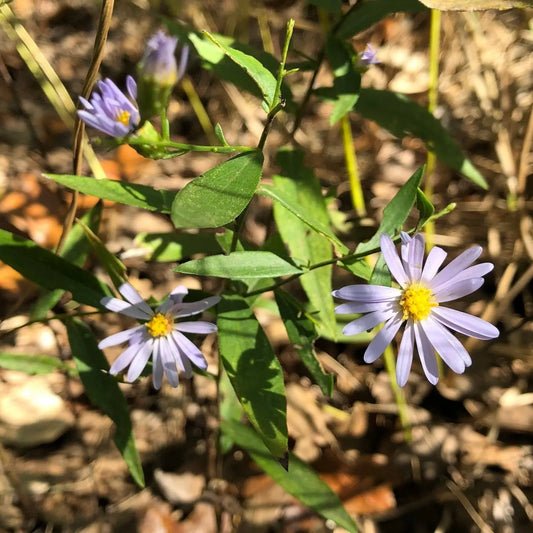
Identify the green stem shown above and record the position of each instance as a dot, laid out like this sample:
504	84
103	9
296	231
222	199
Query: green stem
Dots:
282	72
193	147
351	167
165	126
433	96
399	396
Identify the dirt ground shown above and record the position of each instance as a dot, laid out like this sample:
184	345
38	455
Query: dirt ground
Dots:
469	465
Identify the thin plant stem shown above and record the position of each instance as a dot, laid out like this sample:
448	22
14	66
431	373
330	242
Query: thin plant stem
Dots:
199	109
433	96
399	396
350	157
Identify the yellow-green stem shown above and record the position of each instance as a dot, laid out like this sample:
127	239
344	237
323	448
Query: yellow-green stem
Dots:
399	396
350	156
199	110
433	97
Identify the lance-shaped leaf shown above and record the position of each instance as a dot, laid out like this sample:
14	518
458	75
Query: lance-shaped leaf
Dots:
290	202
307	246
396	212
299	479
104	392
220	195
240	265
302	333
34	364
404	117
367	12
75	250
121	192
254	372
49	270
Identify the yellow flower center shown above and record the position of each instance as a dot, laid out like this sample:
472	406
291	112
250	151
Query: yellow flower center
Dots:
124	118
416	302
160	325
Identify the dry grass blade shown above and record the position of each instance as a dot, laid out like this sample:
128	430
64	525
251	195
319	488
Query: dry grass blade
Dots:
46	76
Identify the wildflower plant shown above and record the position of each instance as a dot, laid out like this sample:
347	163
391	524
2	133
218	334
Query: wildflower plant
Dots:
209	241
416	304
160	335
110	111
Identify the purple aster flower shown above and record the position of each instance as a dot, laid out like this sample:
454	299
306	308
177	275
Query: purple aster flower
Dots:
417	304
159	335
368	56
110	110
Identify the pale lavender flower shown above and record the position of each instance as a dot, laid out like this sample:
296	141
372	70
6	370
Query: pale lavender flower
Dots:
368	56
110	110
159	335
417	305
158	61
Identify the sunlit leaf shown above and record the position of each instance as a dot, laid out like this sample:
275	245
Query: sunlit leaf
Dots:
49	270
240	265
34	364
121	192
217	197
299	184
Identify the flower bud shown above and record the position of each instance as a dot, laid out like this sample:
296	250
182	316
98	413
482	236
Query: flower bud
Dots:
157	73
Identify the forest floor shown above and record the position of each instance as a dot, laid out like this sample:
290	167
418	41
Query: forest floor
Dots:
469	464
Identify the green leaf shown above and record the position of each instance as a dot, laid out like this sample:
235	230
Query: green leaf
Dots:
368	12
425	208
264	79
49	270
121	192
300	479
331	6
301	186
346	81
254	371
34	364
223	68
302	333
220	195
240	265
174	246
103	391
396	212
75	250
475	5
404	117
284	198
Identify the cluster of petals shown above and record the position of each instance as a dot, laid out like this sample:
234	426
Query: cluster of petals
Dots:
110	110
368	56
430	334
159	61
171	350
